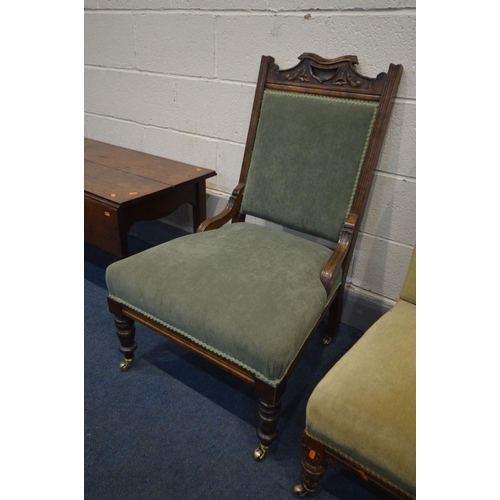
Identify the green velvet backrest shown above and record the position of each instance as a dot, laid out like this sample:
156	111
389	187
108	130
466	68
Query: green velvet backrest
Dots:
306	160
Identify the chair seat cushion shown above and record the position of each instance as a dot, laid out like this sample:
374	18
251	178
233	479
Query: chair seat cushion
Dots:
365	406
246	292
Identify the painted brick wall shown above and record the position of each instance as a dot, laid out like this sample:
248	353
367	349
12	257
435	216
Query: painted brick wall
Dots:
176	78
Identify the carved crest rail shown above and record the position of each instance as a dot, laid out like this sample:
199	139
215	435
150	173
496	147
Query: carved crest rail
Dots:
327	74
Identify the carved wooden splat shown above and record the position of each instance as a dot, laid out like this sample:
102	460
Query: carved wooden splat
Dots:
327	73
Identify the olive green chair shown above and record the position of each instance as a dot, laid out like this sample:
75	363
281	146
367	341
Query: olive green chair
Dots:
246	297
363	413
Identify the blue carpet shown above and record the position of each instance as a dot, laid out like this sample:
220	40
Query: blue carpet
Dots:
176	427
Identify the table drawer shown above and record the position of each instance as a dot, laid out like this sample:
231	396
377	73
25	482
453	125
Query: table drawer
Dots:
102	226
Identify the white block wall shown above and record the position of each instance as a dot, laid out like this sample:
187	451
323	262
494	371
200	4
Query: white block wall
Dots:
176	78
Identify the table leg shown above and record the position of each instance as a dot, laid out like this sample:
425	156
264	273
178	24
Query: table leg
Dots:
122	232
200	207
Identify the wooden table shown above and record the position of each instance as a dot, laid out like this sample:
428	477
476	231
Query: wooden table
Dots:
123	187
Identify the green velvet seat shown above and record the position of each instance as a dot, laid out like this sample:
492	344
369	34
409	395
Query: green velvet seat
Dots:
259	320
364	409
249	298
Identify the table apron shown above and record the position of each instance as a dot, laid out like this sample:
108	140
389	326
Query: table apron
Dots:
107	226
102	226
158	205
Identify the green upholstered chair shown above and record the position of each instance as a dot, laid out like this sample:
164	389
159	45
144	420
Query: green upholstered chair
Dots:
362	414
246	297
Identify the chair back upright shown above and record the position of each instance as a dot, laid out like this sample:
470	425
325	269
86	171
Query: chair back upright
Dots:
409	290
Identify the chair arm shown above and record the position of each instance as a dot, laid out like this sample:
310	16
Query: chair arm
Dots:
232	208
339	254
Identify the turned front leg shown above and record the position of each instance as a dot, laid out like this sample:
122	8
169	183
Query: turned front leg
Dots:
334	316
313	466
268	415
125	330
269	407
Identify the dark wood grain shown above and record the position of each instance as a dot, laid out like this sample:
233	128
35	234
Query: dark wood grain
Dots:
163	170
118	187
123	186
335	77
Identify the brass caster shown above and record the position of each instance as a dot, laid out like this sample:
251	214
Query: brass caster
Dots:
299	490
327	339
125	364
259	453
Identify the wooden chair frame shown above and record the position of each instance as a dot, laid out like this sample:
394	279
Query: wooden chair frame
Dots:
315	457
312	75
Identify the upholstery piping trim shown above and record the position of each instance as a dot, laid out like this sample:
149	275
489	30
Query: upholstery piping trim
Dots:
323	97
358	463
259	375
190	337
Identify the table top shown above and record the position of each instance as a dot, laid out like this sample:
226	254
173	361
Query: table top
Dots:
121	175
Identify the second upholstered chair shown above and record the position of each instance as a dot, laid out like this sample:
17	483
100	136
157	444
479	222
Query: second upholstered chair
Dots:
363	413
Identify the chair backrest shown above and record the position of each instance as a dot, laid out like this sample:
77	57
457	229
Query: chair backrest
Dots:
313	142
409	290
